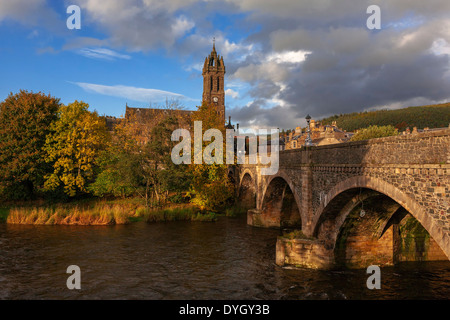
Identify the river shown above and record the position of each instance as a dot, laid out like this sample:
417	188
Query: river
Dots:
186	260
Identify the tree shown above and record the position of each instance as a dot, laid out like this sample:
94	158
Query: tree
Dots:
76	139
25	119
375	132
138	158
163	173
117	174
210	186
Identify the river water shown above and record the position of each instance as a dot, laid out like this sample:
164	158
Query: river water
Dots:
224	260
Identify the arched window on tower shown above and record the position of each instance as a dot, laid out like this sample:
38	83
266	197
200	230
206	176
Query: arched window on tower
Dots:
218	84
211	82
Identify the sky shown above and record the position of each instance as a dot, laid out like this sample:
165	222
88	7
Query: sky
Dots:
284	58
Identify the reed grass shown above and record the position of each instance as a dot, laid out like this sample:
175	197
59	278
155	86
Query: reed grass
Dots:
98	214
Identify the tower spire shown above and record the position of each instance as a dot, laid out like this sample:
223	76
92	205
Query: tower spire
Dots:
213	82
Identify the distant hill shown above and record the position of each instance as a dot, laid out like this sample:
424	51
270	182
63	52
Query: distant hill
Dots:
433	116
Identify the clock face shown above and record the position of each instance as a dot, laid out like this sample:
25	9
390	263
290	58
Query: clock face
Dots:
215	99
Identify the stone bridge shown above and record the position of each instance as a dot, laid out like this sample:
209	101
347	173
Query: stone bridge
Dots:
379	201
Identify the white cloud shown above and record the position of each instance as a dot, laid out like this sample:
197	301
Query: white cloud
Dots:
440	46
31	13
265	71
288	56
197	67
21	10
229	48
84	42
131	93
102	53
181	26
231	93
33	34
138	25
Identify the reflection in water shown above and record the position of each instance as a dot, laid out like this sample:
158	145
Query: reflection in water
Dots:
180	260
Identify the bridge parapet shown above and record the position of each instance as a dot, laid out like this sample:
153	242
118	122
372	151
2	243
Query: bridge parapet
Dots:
423	148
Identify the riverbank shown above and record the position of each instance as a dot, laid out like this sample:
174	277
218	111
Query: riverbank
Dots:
178	214
102	212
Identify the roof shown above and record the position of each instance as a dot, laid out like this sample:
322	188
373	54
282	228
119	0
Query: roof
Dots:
152	112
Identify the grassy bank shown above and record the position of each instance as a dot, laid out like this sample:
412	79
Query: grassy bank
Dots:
176	214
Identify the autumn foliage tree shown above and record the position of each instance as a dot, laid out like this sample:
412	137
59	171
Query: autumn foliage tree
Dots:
25	119
76	138
137	160
126	164
210	187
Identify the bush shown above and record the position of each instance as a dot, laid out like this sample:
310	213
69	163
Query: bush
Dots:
180	214
4	212
295	234
209	216
375	132
235	211
177	198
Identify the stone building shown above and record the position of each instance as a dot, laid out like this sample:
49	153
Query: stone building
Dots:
213	94
320	135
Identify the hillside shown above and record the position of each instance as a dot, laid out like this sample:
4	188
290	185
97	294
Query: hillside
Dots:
432	116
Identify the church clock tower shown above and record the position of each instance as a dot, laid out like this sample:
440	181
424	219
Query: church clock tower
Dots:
213	82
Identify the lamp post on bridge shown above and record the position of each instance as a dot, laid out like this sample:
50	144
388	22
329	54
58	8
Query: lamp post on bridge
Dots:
308	140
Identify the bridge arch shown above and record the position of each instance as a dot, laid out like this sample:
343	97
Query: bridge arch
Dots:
344	197
280	202
247	190
249	172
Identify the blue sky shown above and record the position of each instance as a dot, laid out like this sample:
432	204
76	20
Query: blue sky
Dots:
35	59
284	59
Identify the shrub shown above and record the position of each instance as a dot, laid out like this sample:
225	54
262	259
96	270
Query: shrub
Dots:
235	211
180	214
375	132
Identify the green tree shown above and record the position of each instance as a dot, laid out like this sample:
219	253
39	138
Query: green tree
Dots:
117	176
25	119
375	132
434	116
76	139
